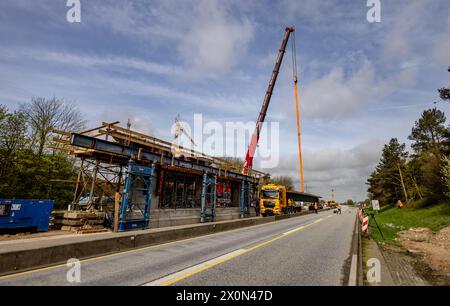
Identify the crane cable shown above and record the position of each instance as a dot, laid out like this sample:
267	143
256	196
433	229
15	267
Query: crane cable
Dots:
297	109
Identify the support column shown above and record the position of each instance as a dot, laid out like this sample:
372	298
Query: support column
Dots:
148	196
214	200
203	210
125	195
249	198
77	186
94	181
242	199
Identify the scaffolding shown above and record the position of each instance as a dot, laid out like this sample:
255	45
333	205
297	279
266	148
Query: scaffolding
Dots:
109	157
136	198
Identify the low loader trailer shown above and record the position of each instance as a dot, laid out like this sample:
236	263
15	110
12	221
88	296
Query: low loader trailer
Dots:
276	200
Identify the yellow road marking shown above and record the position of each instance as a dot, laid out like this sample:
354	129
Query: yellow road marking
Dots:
190	271
99	257
294	230
177	276
151	247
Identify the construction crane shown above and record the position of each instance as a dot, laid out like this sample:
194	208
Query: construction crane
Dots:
297	112
248	163
176	136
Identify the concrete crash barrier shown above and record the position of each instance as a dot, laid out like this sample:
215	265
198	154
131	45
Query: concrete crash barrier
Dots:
58	252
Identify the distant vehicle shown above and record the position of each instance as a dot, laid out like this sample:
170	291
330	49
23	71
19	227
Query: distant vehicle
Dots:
332	204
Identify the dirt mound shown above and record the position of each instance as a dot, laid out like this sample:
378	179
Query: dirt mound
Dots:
435	248
420	234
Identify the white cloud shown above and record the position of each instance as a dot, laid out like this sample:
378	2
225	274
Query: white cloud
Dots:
404	27
344	170
405	78
215	40
206	35
334	95
139	121
442	46
78	60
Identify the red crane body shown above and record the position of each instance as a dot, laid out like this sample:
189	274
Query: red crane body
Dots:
262	114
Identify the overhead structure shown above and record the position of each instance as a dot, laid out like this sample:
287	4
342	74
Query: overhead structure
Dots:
248	163
130	176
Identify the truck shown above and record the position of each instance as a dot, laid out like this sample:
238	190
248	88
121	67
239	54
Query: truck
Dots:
275	200
331	204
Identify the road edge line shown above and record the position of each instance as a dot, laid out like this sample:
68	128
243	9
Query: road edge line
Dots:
353	277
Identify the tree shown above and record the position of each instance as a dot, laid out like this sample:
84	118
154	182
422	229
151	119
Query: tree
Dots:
445	92
3	112
12	137
431	143
284	181
429	132
26	174
446	176
431	167
235	163
44	115
385	182
414	178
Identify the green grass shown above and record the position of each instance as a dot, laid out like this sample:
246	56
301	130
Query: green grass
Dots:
393	220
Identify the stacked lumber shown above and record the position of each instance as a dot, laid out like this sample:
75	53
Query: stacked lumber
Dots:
78	221
56	220
83	231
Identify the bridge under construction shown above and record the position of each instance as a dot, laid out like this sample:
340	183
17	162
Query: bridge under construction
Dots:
134	178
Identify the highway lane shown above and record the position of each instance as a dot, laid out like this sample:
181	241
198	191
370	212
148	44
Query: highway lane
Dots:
316	255
310	250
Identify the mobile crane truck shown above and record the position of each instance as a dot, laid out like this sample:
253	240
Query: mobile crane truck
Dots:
275	200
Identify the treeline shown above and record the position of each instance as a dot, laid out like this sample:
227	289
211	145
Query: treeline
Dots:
287	181
424	174
29	167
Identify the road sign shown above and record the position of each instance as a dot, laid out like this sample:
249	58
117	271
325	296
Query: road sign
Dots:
375	205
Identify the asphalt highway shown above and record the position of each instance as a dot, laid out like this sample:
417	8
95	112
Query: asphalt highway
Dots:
307	250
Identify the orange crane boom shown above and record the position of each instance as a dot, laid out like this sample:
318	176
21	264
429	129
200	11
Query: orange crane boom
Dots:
299	137
297	111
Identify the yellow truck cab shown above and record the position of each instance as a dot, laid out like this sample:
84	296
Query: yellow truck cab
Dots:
273	200
332	204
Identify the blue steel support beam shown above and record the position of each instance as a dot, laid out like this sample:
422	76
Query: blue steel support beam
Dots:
203	211
213	207
127	152
242	199
125	196
136	173
148	196
249	197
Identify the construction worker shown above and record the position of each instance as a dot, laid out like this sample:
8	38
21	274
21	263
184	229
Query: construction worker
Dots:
255	203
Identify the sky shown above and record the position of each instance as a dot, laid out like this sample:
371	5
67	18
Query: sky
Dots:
360	83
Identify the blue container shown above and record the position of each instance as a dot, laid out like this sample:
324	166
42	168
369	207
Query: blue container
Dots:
25	214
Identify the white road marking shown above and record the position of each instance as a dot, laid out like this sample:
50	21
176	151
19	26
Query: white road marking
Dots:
352	279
